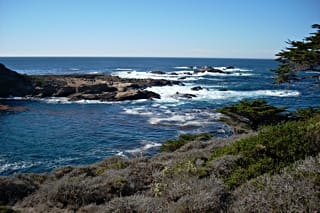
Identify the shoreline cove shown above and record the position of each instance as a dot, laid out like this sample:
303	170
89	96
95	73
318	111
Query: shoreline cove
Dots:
82	131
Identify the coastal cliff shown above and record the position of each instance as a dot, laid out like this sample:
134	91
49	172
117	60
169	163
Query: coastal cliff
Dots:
101	87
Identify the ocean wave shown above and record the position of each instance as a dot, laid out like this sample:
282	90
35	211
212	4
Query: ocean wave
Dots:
26	165
144	147
183	67
123	69
15	166
182	75
175	93
94	72
63	100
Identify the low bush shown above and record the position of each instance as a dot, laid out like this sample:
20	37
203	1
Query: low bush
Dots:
274	148
253	113
295	189
174	144
13	189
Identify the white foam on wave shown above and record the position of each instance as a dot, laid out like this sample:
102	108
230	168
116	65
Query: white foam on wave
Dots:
181	75
64	100
145	146
175	93
24	165
160	114
232	69
231	74
183	68
94	72
18	165
145	75
137	111
185	119
123	69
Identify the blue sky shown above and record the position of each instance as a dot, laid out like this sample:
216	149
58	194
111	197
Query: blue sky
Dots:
174	28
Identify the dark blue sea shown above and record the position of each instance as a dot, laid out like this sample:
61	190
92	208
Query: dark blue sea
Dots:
56	132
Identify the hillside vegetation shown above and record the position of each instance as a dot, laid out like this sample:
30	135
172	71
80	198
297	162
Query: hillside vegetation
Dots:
276	169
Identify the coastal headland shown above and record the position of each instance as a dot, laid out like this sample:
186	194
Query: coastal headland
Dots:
101	87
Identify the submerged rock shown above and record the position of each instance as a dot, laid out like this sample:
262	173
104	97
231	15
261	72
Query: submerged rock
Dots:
196	88
158	72
184	95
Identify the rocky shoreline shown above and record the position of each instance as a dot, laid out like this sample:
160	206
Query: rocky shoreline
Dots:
101	87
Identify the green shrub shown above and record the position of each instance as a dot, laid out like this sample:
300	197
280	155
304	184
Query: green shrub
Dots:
304	114
172	145
274	148
253	113
117	165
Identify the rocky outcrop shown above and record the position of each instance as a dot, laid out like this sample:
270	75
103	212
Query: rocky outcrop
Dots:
76	87
12	83
209	69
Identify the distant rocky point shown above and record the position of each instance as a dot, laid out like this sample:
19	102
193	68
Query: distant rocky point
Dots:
101	87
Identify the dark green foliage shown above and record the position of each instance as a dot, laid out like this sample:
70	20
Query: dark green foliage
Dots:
172	145
299	56
303	114
253	113
39	83
274	148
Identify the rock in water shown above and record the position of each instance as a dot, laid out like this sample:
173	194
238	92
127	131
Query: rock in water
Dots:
196	88
136	95
158	72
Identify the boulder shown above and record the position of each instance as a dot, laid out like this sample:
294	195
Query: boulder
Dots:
230	67
185	95
136	95
196	88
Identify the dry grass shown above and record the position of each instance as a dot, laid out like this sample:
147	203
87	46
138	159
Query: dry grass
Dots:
296	189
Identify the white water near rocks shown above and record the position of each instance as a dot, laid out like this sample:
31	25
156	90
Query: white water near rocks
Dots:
55	131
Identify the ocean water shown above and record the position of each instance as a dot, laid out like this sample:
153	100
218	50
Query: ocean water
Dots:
56	132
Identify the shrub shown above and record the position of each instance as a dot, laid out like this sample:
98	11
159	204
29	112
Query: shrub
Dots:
274	148
172	145
295	189
253	113
117	165
13	189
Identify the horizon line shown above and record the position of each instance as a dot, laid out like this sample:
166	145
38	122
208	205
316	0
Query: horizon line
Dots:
90	56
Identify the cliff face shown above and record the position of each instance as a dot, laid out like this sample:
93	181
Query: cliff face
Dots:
13	84
76	87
